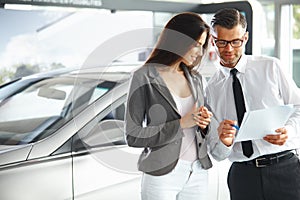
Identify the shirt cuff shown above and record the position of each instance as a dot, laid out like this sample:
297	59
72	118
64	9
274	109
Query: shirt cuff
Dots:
291	131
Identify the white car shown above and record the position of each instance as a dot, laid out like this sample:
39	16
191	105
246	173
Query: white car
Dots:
61	137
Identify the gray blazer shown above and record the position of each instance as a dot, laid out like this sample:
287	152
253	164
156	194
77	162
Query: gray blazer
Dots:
152	121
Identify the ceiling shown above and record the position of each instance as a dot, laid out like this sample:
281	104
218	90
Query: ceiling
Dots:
147	5
150	5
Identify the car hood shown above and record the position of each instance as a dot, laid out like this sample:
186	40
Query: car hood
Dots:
13	153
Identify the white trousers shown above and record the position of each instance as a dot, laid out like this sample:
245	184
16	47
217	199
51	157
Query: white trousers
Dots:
187	181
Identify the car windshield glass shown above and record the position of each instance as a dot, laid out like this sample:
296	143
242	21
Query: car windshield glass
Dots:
44	106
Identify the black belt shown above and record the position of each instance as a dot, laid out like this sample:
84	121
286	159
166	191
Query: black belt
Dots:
270	159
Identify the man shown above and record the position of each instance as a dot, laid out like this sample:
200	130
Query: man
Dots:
267	168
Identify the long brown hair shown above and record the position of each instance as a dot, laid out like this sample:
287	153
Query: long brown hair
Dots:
179	34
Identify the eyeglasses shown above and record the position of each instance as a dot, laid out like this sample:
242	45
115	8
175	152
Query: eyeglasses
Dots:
234	43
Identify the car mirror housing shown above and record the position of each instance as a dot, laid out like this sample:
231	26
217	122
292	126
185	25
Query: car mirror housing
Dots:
51	93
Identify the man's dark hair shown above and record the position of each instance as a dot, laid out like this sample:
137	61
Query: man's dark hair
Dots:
229	18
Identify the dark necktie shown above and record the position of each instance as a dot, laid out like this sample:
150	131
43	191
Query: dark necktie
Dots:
240	110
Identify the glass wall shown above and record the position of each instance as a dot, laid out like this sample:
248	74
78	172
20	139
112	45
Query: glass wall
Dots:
268	44
282	38
41	39
296	43
36	39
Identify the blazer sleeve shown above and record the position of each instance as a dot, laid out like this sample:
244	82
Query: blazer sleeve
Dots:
139	133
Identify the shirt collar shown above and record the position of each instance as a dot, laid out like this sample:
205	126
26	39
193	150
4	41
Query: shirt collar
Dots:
241	67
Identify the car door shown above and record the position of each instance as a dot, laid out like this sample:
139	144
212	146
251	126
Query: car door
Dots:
47	178
104	167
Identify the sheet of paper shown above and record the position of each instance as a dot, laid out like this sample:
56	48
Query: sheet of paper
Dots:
259	123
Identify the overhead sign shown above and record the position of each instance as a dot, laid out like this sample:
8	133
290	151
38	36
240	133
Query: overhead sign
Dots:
66	3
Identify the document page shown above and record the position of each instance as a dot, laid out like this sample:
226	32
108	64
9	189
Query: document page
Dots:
259	123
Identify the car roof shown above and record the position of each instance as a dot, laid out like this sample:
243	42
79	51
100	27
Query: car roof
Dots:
112	73
97	72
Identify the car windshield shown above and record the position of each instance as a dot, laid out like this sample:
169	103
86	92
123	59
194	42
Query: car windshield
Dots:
41	107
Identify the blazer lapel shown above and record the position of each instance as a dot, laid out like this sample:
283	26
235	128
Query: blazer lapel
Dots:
196	87
159	84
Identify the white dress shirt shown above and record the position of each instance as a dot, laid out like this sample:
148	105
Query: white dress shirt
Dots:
264	85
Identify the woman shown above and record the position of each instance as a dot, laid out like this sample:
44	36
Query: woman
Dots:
165	113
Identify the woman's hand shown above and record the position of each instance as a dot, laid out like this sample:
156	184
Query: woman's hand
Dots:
187	121
197	116
203	117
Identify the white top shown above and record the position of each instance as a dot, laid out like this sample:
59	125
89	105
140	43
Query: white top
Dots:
188	150
264	85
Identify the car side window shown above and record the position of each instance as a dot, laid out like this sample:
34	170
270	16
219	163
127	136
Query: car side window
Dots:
107	129
117	113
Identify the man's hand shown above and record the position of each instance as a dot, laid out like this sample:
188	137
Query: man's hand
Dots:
277	139
227	132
